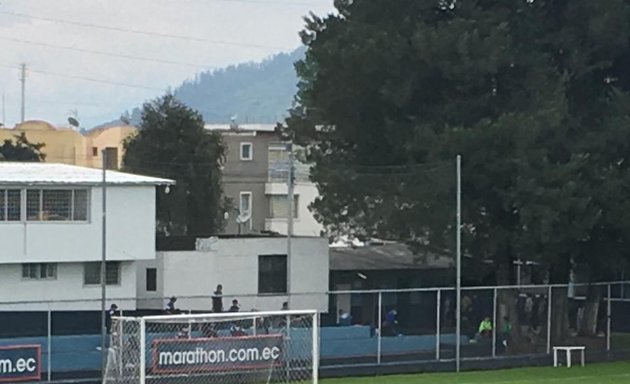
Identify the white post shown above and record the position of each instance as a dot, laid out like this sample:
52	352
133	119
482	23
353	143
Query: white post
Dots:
437	324
458	281
380	328
254	330
315	348
549	293
143	351
608	318
49	346
494	323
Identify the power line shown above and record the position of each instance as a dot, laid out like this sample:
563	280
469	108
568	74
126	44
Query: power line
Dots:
90	79
102	53
139	32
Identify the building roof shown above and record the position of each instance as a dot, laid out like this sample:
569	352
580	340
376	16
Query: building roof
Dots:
14	173
386	257
242	127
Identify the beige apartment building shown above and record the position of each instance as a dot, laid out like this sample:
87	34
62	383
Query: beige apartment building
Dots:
69	146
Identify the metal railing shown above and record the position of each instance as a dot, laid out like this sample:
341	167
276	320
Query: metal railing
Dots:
366	327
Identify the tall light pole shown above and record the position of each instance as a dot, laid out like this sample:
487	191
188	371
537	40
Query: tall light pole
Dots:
290	197
458	282
104	264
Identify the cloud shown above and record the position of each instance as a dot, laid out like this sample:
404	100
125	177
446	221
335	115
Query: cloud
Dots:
231	31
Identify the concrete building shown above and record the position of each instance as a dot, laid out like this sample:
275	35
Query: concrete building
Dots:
254	270
70	146
51	234
255	178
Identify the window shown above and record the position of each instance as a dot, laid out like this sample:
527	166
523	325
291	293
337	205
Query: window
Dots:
247	151
41	271
92	273
151	279
278	167
245	204
10	205
111	158
56	205
272	274
279	207
94	151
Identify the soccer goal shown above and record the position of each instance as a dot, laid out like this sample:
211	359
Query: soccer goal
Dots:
226	348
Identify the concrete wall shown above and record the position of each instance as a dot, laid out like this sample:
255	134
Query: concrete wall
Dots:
305	223
130	231
234	264
67	286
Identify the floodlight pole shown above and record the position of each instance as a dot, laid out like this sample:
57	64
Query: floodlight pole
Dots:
458	282
290	197
104	265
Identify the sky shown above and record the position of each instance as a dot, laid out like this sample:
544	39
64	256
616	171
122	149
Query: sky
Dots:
98	58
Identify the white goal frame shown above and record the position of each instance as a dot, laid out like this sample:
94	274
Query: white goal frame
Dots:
208	317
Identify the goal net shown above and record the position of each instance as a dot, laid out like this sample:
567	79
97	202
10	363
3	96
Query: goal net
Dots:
226	348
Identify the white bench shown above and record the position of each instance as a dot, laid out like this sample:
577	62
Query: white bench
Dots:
568	351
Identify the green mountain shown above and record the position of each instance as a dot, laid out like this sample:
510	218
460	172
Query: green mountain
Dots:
254	92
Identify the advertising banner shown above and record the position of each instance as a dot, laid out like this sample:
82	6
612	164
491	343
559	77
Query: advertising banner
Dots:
20	363
216	354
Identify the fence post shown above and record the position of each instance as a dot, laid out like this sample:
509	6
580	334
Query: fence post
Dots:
608	318
380	328
49	346
494	323
549	293
437	324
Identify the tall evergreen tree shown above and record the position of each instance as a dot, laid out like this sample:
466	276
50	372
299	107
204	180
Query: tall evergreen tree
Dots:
172	143
532	93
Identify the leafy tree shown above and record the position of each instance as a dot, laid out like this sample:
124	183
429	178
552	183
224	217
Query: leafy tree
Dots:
21	150
172	143
532	93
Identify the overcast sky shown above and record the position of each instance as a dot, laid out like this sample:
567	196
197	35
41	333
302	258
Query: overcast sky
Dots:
173	40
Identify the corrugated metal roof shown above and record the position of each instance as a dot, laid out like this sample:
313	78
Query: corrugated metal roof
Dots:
14	173
386	257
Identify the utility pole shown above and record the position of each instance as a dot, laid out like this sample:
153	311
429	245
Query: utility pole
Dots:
290	194
23	81
4	111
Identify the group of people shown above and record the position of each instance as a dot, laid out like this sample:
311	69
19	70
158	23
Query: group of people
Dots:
217	303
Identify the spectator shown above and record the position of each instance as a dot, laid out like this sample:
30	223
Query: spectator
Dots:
285	306
217	299
345	319
170	306
235	307
390	325
485	328
109	315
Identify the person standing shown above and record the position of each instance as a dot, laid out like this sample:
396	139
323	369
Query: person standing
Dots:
235	307
217	299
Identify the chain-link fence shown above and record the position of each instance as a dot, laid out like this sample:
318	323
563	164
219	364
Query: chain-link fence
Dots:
504	326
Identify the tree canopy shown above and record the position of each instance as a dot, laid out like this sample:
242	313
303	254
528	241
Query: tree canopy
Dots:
172	143
534	94
20	149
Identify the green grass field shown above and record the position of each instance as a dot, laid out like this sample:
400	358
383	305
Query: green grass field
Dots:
615	373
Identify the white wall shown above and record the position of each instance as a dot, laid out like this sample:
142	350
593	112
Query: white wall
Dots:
234	264
130	231
18	294
305	224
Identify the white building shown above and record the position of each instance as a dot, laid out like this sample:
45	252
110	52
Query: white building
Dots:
51	234
253	270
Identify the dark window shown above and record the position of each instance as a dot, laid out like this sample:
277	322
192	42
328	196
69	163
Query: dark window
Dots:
10	204
56	205
151	279
92	273
272	274
94	151
42	271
